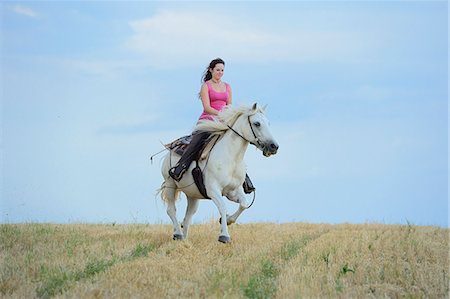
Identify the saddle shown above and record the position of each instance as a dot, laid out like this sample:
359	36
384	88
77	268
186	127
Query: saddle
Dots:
179	145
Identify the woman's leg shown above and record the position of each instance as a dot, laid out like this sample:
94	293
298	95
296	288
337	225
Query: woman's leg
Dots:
189	155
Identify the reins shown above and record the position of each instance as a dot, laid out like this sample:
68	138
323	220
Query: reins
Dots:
254	196
251	127
151	157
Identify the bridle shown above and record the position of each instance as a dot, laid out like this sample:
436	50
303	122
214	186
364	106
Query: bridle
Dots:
258	143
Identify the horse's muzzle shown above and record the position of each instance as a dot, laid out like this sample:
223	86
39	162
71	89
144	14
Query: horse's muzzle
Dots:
270	149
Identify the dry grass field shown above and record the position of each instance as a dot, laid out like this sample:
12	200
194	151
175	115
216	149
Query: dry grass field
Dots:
264	260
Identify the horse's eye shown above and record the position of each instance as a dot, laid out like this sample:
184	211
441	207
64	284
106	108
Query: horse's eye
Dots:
257	124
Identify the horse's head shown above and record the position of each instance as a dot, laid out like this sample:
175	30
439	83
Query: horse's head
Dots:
258	132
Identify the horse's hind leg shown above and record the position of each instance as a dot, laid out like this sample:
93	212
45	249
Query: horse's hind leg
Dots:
192	206
172	212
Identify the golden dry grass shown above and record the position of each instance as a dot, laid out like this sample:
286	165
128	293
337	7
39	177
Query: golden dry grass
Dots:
264	260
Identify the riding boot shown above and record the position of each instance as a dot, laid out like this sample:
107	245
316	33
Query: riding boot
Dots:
248	185
190	153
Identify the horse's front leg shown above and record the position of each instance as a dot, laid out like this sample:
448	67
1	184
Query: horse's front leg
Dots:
217	198
238	196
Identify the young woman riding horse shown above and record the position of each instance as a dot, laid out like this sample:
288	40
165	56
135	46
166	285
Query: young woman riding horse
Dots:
223	170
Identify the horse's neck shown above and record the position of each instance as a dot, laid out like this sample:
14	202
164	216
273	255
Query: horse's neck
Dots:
233	144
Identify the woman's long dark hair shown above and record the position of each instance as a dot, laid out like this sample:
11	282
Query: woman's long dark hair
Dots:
207	74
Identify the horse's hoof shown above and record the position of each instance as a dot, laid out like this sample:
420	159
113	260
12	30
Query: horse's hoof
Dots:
224	239
177	237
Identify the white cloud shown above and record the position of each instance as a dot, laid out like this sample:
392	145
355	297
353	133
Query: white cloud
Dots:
171	38
25	11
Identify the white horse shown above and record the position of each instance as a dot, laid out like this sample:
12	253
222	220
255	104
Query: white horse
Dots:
224	171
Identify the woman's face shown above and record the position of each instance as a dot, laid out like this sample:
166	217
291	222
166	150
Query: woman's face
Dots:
217	71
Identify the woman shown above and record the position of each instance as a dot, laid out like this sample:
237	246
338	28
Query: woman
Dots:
215	95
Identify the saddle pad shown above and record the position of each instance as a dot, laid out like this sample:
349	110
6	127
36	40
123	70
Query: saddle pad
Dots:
179	145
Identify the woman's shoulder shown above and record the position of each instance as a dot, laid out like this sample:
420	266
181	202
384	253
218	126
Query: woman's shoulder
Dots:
205	84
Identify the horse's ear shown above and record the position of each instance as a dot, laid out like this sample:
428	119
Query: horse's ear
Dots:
264	108
254	107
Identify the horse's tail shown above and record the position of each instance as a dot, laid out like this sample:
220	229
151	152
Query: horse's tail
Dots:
163	191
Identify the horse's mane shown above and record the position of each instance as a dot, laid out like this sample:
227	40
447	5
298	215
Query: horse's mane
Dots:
227	116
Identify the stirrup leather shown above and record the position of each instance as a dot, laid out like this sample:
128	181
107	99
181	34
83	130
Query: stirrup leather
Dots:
177	172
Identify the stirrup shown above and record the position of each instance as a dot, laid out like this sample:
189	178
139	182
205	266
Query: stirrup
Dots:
248	189
248	185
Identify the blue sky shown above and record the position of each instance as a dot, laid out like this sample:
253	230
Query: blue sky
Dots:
356	93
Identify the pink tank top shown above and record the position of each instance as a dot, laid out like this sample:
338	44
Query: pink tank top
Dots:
217	100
